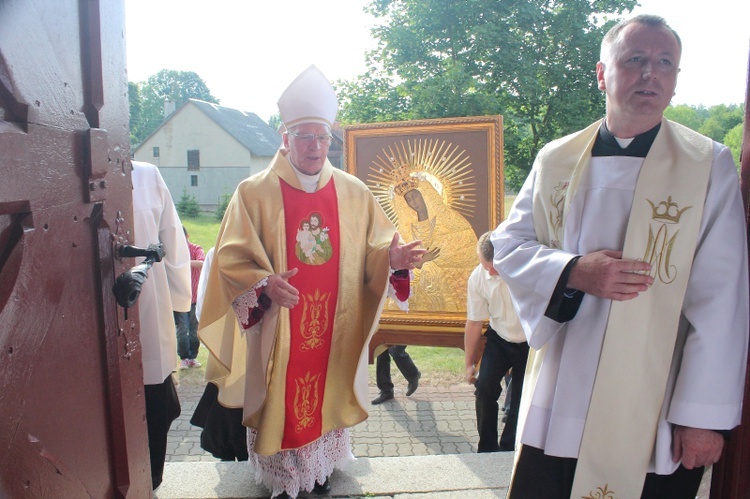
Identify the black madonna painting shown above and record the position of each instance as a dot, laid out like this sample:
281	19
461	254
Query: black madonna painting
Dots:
439	182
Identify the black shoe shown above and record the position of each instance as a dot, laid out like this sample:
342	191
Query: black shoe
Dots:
383	397
413	384
283	495
322	489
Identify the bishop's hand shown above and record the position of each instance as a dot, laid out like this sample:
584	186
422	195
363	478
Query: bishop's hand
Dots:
404	256
280	291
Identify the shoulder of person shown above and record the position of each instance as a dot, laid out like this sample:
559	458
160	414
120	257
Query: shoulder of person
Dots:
569	140
690	136
476	273
255	181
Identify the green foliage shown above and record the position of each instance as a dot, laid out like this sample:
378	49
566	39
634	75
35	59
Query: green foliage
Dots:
722	123
136	110
148	99
690	116
275	121
222	206
530	61
188	206
733	140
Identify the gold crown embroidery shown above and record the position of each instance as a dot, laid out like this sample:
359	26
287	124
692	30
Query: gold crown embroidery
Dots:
667	211
661	240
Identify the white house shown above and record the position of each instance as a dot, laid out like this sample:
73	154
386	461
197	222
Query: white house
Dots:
206	149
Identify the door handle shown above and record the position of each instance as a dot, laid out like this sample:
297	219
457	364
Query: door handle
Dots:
127	287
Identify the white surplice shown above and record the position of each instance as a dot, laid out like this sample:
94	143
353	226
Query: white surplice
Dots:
167	287
706	382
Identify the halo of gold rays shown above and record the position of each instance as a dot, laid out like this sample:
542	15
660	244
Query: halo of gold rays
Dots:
403	165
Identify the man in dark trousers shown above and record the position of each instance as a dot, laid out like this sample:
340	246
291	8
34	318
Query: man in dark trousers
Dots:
383	372
505	349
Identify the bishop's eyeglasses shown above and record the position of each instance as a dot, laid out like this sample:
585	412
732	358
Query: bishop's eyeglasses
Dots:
310	137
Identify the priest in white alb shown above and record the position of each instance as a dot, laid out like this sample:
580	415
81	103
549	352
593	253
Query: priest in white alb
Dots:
626	256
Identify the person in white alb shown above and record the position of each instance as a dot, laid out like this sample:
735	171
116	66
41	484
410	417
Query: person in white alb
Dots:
626	255
167	288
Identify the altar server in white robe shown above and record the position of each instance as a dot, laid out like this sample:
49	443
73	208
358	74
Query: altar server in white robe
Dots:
166	289
626	256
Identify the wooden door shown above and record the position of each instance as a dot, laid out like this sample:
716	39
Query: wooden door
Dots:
71	393
730	479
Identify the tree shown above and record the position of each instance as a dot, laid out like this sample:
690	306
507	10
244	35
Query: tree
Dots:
136	109
275	121
721	119
221	208
723	123
733	140
690	116
531	61
188	206
148	98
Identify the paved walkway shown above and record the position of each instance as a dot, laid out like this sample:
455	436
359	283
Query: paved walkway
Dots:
432	421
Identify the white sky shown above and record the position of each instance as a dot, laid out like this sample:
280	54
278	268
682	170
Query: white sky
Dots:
247	52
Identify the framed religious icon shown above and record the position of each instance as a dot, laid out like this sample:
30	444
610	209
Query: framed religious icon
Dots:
439	181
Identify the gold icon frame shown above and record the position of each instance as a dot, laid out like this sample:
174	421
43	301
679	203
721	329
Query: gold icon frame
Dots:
474	145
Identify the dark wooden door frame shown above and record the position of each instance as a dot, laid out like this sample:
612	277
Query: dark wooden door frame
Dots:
71	384
730	479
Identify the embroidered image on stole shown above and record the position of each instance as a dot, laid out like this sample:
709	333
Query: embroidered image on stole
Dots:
313	246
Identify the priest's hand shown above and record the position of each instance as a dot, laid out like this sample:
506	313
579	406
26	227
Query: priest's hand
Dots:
696	447
280	291
607	275
404	256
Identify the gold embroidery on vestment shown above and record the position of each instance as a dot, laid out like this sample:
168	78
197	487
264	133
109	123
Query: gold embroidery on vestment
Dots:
306	400
660	242
601	493
557	200
315	316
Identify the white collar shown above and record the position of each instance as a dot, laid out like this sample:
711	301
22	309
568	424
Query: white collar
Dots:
309	182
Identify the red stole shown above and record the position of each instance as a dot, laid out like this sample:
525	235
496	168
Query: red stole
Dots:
312	246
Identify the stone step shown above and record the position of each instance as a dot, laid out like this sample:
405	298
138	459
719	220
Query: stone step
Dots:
452	476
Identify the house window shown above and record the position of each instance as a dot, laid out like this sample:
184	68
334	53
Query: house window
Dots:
194	180
194	159
156	152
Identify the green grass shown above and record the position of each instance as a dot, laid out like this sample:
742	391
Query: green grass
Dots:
440	366
202	230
